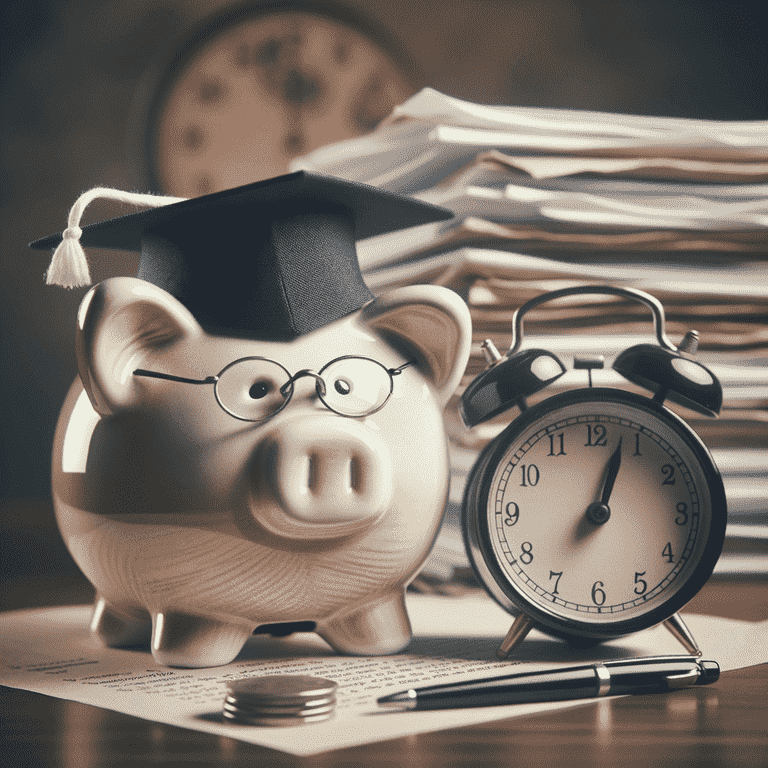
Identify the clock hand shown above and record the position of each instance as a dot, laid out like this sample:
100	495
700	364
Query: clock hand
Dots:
613	470
598	512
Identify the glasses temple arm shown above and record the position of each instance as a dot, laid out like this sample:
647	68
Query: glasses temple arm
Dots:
170	377
400	368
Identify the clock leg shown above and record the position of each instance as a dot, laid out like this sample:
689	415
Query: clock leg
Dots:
677	627
521	626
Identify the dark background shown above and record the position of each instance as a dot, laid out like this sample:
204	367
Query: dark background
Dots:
73	78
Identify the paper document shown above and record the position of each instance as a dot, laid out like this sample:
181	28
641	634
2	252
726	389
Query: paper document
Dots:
431	135
557	166
529	203
50	651
431	106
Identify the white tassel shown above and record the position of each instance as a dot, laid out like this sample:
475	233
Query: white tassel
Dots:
69	267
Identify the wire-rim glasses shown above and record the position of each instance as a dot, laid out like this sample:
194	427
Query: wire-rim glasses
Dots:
257	388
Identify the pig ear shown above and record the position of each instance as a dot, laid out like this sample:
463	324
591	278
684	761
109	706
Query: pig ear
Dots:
431	324
121	323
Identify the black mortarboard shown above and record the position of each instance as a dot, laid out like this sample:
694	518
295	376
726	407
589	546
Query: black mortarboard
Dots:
273	259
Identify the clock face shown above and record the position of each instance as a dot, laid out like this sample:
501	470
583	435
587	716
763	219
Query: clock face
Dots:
259	89
599	512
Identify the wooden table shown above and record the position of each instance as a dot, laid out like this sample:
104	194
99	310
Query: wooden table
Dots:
725	724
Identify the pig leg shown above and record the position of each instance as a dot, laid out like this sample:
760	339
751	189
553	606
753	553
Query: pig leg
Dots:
377	629
186	640
115	627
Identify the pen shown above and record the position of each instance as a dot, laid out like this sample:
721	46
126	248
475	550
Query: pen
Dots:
651	674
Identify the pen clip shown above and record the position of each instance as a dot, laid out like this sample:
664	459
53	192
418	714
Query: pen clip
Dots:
682	681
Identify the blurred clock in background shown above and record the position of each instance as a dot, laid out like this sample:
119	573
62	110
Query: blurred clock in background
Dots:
257	86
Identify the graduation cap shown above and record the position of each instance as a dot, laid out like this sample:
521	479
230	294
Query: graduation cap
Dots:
271	260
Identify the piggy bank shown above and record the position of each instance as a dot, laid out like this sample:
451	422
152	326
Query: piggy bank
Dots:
210	486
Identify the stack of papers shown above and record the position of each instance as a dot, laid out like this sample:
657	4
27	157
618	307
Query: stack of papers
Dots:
546	199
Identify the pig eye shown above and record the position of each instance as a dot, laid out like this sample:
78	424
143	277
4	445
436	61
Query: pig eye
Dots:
259	389
342	386
355	386
249	388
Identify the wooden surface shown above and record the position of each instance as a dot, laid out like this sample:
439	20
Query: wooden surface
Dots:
725	724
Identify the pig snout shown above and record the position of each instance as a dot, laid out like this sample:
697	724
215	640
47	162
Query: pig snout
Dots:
321	477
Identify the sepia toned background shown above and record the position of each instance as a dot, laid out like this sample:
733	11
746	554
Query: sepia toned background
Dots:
77	79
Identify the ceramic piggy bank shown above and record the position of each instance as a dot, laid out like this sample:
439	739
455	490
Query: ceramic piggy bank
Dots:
211	479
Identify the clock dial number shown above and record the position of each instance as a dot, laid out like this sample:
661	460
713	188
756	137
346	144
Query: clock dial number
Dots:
596	435
598	593
279	60
512	513
557	445
650	472
530	475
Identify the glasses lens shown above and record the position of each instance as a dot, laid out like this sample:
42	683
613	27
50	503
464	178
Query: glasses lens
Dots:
249	389
355	386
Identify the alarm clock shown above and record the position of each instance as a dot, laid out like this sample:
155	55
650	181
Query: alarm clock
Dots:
597	512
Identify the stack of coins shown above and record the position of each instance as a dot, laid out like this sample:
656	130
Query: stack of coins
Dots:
280	700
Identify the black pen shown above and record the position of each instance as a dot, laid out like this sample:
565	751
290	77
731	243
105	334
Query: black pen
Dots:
650	674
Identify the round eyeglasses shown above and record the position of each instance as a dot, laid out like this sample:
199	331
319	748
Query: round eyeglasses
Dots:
257	388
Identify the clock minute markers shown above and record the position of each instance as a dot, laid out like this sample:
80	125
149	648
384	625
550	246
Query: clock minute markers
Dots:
598	512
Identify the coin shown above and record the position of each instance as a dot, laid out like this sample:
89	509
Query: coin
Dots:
281	689
280	722
280	700
279	711
292	706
